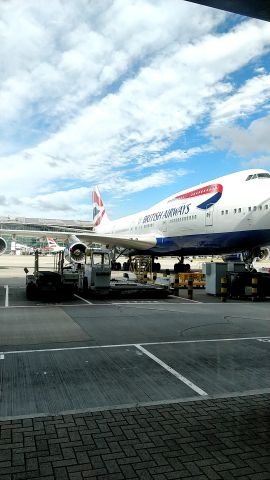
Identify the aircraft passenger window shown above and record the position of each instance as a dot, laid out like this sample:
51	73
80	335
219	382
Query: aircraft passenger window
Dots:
239	210
222	212
249	209
234	210
226	211
266	207
260	207
255	208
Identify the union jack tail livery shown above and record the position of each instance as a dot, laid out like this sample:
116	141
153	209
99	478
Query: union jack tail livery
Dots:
52	246
51	242
100	216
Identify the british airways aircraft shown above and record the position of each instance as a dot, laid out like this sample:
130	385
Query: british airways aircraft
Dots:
225	215
52	246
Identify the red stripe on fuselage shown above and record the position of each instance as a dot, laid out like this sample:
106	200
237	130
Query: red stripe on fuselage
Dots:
215	187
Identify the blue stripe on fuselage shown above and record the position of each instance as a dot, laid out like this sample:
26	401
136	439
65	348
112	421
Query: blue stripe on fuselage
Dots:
208	203
209	243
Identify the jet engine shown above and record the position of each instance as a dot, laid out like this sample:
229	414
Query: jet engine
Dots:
263	253
3	246
258	253
75	252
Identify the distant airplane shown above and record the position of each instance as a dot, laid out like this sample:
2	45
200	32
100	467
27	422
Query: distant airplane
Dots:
18	248
15	247
52	246
226	215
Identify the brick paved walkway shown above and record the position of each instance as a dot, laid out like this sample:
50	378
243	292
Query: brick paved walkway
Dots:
210	439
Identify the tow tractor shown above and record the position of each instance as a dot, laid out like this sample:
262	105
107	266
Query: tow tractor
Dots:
95	272
58	283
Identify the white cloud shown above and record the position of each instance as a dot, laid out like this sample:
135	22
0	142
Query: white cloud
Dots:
125	186
102	89
248	141
255	92
58	56
258	162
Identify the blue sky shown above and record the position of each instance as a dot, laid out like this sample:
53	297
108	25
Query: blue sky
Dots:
142	97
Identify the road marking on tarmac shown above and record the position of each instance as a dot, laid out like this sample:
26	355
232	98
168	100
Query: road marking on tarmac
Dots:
6	299
2	356
172	371
121	345
84	300
184	298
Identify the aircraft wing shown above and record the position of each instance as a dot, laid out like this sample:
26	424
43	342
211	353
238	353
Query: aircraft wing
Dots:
139	242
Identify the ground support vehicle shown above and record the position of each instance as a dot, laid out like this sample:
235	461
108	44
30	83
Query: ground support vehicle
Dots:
132	287
59	283
240	284
95	278
95	273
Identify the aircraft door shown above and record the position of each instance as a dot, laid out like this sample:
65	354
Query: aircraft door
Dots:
209	216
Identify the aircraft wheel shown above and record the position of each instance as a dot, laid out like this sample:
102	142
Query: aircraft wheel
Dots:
176	268
31	292
85	285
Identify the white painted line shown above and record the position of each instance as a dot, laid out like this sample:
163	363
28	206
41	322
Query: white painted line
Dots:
2	356
174	342
47	305
128	304
6	299
139	302
184	298
172	371
83	299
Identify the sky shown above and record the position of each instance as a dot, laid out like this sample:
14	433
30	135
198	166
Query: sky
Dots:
143	98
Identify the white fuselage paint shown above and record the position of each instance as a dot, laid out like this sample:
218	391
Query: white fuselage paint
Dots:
239	219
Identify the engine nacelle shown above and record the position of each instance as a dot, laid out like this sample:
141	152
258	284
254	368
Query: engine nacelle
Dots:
75	252
3	245
263	253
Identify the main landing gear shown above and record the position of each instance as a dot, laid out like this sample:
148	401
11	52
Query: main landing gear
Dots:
181	267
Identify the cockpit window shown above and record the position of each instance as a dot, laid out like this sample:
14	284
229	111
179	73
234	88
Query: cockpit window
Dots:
263	175
258	175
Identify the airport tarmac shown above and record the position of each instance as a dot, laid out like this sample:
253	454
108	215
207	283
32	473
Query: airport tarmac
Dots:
85	367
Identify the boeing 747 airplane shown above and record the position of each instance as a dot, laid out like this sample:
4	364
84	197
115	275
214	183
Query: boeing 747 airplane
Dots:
226	215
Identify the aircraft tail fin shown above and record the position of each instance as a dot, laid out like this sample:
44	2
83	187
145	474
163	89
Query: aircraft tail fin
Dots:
100	216
51	242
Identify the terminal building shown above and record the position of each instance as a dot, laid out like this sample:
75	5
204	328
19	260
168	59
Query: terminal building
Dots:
44	224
